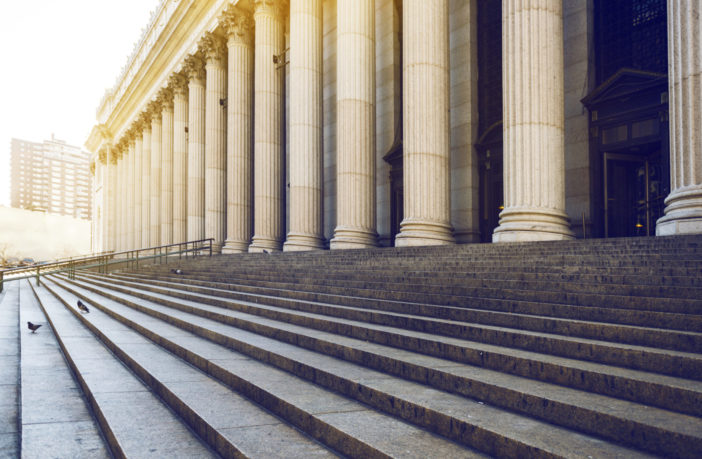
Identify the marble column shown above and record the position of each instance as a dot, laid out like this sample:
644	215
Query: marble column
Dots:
146	183
426	125
129	210
137	178
306	126
194	67
155	212
166	98
269	161
533	123
355	100
180	157
113	199
120	197
239	26
215	50
102	171
683	211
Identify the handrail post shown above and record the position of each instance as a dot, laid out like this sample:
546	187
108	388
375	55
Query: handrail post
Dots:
2	273
211	247
137	259
38	283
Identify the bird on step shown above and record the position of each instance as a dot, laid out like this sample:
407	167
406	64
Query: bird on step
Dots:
267	252
83	308
177	271
33	327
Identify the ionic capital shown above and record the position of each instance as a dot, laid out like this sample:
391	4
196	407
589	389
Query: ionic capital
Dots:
179	83
213	48
194	68
237	25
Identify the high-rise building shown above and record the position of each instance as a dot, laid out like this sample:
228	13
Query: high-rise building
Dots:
50	176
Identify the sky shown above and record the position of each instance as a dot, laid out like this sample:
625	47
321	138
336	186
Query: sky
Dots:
58	58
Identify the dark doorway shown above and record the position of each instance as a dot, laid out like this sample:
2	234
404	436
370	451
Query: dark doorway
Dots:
489	145
629	155
633	193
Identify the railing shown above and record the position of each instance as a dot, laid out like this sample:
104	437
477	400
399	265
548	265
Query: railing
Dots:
109	261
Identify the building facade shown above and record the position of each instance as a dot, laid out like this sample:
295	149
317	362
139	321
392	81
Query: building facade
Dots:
50	176
307	124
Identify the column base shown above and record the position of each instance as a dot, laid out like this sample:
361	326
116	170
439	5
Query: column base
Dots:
683	213
261	243
235	247
418	233
217	247
299	241
353	238
523	224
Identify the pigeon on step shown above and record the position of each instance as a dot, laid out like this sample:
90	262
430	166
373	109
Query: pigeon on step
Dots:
267	252
33	327
177	271
83	308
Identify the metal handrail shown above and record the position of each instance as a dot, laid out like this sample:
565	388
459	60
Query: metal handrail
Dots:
103	262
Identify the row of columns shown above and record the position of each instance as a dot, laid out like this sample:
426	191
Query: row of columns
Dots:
185	168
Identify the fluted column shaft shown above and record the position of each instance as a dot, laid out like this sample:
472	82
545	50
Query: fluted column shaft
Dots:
533	129
426	125
355	99
269	198
137	177
120	197
146	186
180	160
239	134
215	141
112	201
155	213
683	211
306	124
196	154
167	172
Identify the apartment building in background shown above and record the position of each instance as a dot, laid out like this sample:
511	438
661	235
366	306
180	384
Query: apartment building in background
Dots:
50	176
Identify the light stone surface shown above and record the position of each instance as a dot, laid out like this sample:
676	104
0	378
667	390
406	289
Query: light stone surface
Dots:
180	158
306	179
463	42
683	211
533	123
355	100
120	198
329	108
269	193
215	140
156	164
426	155
146	185
137	178
239	132
196	148
167	169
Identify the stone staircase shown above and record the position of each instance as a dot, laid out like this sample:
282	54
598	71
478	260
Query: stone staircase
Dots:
563	349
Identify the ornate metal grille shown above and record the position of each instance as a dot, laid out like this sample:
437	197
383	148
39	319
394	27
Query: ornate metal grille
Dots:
630	33
489	63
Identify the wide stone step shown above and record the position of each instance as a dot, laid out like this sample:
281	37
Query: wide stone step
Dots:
9	371
404	398
342	423
123	404
56	417
489	311
654	389
453	284
644	336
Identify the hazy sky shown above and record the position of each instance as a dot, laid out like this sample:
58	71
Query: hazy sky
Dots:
58	57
